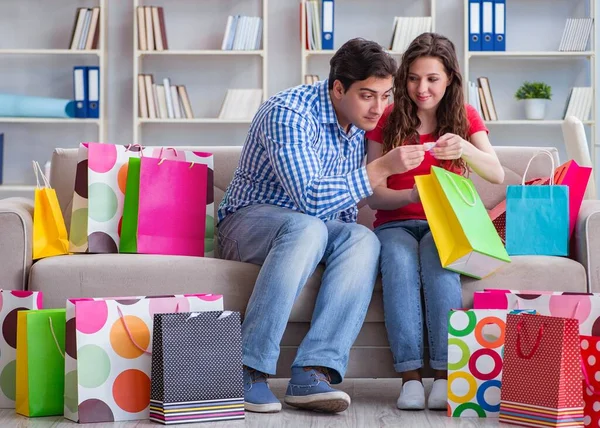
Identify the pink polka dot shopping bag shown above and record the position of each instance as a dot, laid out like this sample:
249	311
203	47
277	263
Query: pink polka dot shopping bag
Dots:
11	302
108	346
541	381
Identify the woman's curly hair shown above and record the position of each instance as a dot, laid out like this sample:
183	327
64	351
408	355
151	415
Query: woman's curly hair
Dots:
403	122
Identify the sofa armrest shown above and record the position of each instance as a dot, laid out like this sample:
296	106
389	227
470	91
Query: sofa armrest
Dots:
16	225
587	242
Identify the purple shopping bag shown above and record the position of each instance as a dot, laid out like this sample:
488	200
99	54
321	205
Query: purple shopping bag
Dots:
172	207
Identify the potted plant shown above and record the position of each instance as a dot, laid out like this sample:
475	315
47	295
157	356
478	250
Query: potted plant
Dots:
535	95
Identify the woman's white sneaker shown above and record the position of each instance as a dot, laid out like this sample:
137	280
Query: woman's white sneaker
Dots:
412	396
438	397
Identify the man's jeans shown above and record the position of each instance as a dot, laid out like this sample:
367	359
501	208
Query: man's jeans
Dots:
409	262
289	245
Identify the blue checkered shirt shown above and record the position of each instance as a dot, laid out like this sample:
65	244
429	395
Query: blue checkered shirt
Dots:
297	156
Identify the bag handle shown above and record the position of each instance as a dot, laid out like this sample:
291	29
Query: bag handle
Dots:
541	152
460	193
536	345
37	169
62	354
145	351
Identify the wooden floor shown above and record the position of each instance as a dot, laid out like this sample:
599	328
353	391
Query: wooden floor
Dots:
373	405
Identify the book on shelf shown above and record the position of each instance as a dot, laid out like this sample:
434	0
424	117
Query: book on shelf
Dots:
86	91
480	97
152	31
319	24
240	104
309	79
86	29
406	29
162	101
579	103
576	34
242	33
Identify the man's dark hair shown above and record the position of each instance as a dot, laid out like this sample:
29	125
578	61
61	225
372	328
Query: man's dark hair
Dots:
358	59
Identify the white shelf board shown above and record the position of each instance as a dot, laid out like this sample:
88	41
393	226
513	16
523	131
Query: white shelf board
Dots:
200	52
531	122
16	188
48	52
330	52
525	54
46	120
195	120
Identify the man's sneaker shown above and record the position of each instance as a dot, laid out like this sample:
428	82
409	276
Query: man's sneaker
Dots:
310	389
257	395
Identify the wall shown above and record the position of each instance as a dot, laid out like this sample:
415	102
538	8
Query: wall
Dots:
192	23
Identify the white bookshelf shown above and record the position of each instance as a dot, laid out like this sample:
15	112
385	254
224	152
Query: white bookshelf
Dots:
140	55
306	54
544	57
7	190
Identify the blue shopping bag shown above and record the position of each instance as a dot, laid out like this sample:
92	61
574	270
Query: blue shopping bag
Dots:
537	217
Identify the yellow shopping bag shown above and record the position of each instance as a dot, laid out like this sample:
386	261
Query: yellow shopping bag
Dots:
49	231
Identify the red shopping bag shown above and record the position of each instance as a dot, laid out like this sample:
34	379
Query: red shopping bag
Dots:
172	207
590	359
498	213
576	178
541	379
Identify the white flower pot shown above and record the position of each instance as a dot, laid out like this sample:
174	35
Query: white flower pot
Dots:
535	108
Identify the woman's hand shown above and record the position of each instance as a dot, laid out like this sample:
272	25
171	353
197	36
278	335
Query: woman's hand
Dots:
414	195
448	147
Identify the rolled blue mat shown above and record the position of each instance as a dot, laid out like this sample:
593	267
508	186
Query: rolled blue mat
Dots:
29	106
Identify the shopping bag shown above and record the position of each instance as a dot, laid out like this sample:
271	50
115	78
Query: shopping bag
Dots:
40	362
541	381
590	360
475	348
172	207
78	236
498	213
537	217
107	361
128	243
464	235
584	307
197	368
49	230
11	302
576	178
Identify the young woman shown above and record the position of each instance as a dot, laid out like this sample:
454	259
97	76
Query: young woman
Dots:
428	107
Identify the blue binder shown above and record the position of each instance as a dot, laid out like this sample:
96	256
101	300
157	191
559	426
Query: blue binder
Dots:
93	92
487	25
327	21
499	25
80	91
474	25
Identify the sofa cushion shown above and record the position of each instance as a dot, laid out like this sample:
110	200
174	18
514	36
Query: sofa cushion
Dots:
96	275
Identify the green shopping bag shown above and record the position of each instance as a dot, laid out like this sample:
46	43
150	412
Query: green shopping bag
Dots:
465	237
40	381
128	243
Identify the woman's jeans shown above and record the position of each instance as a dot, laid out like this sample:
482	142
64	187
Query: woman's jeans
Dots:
409	263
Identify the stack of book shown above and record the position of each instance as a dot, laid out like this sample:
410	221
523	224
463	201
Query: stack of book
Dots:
480	97
576	34
241	104
242	33
406	29
86	29
579	103
166	101
309	79
152	32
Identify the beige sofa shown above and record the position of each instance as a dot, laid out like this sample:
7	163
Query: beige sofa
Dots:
87	275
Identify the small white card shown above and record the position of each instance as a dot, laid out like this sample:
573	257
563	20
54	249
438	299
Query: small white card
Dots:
428	146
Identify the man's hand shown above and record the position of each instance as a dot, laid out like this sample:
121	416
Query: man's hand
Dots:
448	147
404	158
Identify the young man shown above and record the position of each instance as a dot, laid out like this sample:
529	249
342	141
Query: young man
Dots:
291	205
